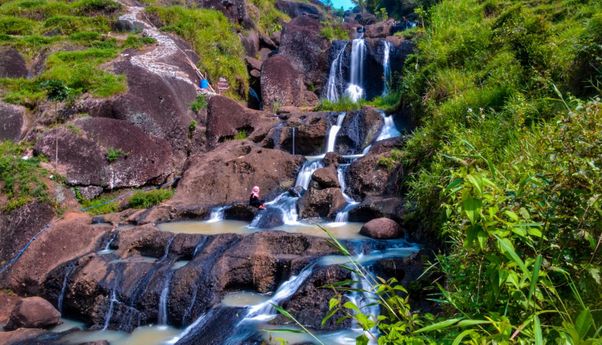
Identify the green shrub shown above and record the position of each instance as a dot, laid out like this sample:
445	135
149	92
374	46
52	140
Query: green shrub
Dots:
101	205
199	103
213	38
241	135
146	199
334	31
114	154
343	104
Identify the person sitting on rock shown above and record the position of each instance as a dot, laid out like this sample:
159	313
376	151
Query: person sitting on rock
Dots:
254	198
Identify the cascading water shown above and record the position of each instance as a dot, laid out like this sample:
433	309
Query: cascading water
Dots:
335	76
334	130
68	272
308	169
389	130
386	67
343	215
217	214
355	89
162	319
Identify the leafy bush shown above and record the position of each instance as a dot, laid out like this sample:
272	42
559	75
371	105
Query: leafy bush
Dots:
334	31
213	38
146	199
241	135
199	103
114	154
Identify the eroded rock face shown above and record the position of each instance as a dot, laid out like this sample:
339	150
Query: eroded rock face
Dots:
381	228
380	29
12	118
107	153
281	83
33	312
228	173
367	176
310	132
12	64
323	203
226	118
307	50
298	8
377	207
358	130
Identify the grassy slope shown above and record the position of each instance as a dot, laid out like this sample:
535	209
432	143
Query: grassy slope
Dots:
505	168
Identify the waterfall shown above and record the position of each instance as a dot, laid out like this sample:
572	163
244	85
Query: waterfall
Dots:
389	130
365	299
107	247
217	214
343	215
355	90
334	130
200	245
386	68
163	299
308	169
293	129
59	303
335	76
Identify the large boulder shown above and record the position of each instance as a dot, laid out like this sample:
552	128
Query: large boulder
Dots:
382	229
8	301
323	203
226	118
33	312
281	83
377	207
18	227
359	129
326	177
12	119
299	8
12	64
228	173
307	49
380	30
107	153
369	176
307	131
59	243
235	10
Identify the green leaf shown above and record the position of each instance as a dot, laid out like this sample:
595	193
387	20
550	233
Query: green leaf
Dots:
439	325
472	207
461	336
476	183
507	248
537	330
333	302
535	276
584	322
350	305
466	323
362	340
513	216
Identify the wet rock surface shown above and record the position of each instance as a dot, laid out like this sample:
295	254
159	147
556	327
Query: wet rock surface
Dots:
323	203
309	131
358	130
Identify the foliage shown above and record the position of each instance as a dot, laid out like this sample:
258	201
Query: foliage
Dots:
213	38
268	18
114	154
199	103
241	135
101	205
343	104
332	30
21	180
146	199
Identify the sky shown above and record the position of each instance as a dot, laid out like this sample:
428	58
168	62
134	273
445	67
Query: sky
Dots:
346	4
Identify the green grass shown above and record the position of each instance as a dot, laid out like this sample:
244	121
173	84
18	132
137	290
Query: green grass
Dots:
241	135
146	199
268	18
21	181
213	38
100	205
334	31
114	154
199	104
343	104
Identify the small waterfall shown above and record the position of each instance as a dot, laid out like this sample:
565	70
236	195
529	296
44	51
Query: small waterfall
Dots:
107	247
167	247
355	90
217	214
286	203
308	169
68	272
117	270
199	322
386	68
163	299
334	130
365	299
343	215
293	149
389	130
335	76
200	245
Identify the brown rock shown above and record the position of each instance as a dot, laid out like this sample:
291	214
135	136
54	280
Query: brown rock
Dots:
306	49
358	130
326	177
253	63
381	228
225	118
281	83
12	119
380	29
310	133
251	42
12	64
33	312
8	301
299	8
377	207
321	202
82	154
228	173
20	335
